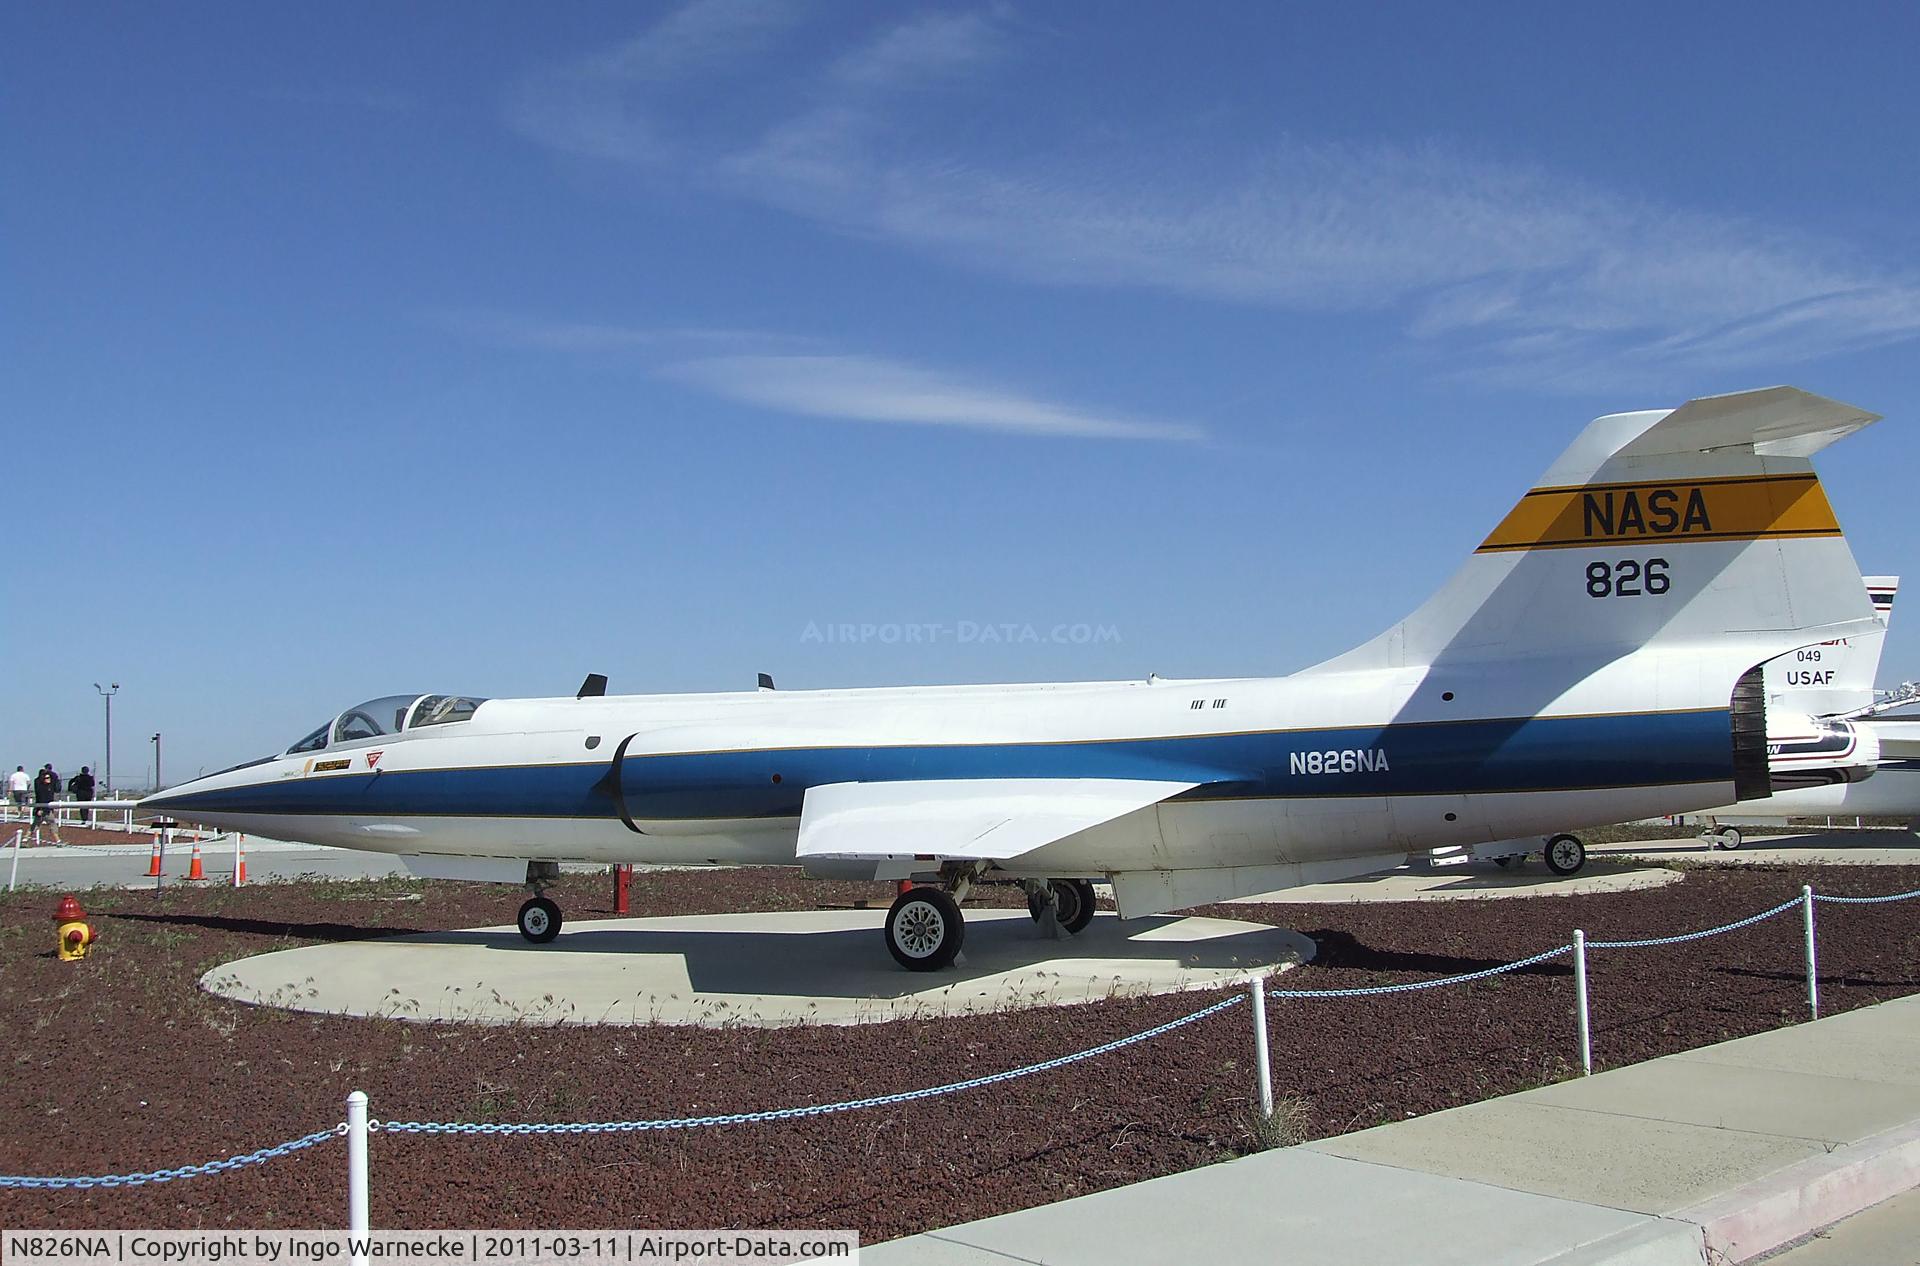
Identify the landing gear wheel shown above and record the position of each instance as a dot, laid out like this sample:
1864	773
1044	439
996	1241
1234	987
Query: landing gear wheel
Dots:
1565	854
1075	909
924	929
539	920
1729	837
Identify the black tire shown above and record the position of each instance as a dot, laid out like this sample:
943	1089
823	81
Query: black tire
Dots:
1083	905
1077	904
1565	855
539	920
924	929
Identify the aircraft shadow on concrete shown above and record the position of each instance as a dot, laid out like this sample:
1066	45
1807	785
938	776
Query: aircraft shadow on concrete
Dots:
853	962
1342	951
327	932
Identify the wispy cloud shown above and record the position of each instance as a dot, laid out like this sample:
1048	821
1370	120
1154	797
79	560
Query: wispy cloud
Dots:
787	373
922	52
1494	267
516	330
616	104
869	389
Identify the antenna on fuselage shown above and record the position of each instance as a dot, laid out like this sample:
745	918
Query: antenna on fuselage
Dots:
766	681
594	686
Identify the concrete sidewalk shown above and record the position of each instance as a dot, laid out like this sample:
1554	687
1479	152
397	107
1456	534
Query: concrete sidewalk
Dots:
1722	1153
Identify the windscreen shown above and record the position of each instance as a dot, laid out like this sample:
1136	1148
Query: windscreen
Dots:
314	741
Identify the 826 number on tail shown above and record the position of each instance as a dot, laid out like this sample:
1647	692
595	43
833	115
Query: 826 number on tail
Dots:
1628	578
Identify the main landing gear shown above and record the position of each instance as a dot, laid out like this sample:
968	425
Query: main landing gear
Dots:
925	928
1071	901
539	917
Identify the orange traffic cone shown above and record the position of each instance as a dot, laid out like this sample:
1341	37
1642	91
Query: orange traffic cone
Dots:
153	867
239	860
195	870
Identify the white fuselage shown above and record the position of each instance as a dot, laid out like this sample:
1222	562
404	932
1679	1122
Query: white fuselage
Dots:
1299	770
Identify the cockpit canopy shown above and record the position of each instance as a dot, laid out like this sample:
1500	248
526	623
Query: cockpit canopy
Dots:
391	714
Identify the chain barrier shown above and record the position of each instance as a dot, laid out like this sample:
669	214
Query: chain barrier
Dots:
788	1114
262	1155
1869	901
259	1157
1647	942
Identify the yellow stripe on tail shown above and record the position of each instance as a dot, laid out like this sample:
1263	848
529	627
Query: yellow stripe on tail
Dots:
1737	508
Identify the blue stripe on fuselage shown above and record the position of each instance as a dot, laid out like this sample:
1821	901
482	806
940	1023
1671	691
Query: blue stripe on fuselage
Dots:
1456	757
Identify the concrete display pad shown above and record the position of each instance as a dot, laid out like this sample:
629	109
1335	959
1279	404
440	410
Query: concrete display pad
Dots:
1468	881
760	970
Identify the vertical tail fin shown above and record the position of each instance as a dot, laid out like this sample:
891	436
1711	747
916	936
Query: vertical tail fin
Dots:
1701	531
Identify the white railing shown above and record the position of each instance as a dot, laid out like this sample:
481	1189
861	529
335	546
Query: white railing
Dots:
104	815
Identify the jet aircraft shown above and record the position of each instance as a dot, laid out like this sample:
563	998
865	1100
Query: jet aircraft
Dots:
1833	752
1599	656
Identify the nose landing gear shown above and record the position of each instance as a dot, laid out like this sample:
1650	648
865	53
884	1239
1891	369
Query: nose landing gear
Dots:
540	918
1565	854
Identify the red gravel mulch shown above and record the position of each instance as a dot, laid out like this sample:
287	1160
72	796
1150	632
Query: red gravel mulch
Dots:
121	1063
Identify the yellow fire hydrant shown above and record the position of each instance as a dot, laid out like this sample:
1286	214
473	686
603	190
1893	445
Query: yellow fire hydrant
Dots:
73	934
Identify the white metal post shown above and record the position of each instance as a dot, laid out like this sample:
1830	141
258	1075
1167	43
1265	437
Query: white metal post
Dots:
1580	988
357	1176
1813	979
166	837
1262	1066
14	875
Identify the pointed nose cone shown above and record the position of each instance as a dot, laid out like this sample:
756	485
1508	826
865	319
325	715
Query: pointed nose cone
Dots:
155	803
169	803
159	803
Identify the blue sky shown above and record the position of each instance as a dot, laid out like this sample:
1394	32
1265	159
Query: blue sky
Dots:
360	349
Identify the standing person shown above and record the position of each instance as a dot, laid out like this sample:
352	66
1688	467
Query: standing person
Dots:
80	786
17	785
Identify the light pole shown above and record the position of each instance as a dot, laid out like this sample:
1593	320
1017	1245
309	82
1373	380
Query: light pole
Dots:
157	784
105	693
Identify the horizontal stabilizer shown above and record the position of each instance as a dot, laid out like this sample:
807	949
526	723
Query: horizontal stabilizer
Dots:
1899	740
965	818
1773	422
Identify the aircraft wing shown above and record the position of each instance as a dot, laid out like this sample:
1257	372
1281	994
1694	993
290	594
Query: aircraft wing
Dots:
974	819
